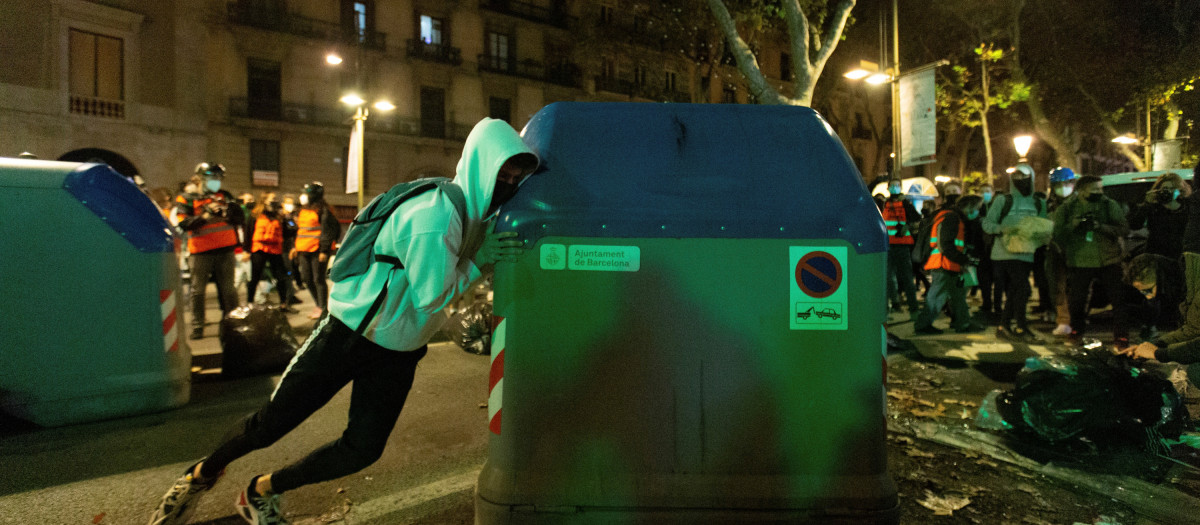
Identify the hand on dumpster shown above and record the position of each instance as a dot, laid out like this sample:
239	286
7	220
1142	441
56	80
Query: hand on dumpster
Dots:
502	246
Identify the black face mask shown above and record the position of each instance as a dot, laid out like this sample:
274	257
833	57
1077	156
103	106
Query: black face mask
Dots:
1025	186
503	192
1095	197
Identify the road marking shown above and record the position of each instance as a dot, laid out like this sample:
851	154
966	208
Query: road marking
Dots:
392	503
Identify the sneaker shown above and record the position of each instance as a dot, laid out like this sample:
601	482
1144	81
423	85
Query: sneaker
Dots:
1063	329
177	504
927	330
198	333
1026	335
257	509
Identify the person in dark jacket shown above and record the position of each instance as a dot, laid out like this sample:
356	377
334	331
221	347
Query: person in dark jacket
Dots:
264	243
1089	227
948	262
318	230
210	218
902	222
1164	215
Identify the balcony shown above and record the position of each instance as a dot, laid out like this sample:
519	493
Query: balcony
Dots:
418	48
553	16
265	18
615	85
97	107
277	111
563	74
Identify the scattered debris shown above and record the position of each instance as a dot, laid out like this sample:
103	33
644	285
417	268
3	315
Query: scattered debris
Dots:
99	518
483	405
341	490
918	453
944	505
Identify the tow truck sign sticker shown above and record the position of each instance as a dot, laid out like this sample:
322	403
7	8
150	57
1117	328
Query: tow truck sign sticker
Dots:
818	288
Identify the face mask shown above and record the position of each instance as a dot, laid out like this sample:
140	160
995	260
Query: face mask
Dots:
987	197
289	207
917	205
973	215
1175	195
1025	186
304	200
894	190
1095	197
1063	191
213	185
503	192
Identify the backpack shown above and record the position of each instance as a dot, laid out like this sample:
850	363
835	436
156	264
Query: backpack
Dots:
357	251
921	248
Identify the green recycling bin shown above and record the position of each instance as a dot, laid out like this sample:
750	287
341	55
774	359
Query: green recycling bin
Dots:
92	309
695	332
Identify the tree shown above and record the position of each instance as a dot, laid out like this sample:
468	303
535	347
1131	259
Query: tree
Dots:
811	41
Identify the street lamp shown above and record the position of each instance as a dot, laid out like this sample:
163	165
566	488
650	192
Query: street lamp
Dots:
1022	144
354	164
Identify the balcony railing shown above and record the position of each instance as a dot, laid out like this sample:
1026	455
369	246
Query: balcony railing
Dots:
555	16
564	74
97	107
274	110
615	85
418	48
274	20
633	89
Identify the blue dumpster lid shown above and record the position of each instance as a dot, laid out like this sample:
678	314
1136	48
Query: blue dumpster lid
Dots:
691	171
121	205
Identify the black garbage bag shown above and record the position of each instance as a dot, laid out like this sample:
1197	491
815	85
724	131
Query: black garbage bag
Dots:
1091	394
471	328
256	339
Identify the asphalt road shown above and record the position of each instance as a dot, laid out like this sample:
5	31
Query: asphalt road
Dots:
114	472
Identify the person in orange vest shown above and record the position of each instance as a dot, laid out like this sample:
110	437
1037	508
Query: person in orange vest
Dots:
902	221
317	230
948	262
265	245
210	218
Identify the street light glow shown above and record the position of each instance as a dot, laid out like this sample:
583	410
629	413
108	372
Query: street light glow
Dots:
857	74
384	105
1022	143
878	78
352	100
333	59
1126	139
942	179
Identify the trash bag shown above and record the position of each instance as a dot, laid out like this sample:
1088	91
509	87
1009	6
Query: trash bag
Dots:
256	339
470	321
1087	393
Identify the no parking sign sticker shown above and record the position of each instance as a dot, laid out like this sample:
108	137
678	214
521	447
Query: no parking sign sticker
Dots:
818	288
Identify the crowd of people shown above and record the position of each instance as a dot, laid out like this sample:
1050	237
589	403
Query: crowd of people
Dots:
1072	243
236	240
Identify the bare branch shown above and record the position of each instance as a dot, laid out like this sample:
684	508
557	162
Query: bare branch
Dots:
1123	149
835	32
746	61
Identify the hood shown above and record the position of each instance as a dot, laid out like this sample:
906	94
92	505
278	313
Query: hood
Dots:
490	144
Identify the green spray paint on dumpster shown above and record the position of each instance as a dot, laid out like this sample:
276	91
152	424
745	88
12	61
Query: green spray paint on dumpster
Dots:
92	314
661	381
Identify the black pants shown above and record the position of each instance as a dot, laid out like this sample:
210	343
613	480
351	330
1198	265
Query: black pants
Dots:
1015	276
900	276
991	294
312	271
329	359
217	266
1079	284
283	283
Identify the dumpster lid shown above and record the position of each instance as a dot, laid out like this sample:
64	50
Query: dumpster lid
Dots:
691	170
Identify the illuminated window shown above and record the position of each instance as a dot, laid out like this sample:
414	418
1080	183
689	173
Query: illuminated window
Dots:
97	65
431	30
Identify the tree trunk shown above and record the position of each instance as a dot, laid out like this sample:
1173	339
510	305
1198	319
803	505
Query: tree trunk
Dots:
987	134
1173	115
1055	138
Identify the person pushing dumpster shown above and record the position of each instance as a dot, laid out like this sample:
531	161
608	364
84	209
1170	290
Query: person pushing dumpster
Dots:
381	315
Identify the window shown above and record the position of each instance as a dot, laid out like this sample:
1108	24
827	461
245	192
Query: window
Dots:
606	14
358	21
729	94
608	68
785	66
433	112
500	108
669	85
431	30
264	162
96	74
860	130
639	75
497	47
263	89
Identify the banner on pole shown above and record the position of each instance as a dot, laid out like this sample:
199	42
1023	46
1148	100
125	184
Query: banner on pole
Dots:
354	160
918	119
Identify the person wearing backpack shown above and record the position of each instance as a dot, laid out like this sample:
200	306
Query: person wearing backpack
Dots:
1014	268
376	332
948	263
902	221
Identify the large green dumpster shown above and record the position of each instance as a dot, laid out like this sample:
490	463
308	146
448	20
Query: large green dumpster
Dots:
695	332
91	311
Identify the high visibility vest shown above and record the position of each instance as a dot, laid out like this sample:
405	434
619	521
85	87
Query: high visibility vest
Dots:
268	235
894	217
308	234
936	260
213	235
